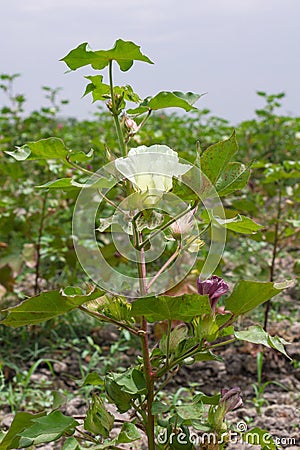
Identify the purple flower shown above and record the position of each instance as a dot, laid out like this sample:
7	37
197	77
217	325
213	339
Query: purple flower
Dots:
214	287
231	399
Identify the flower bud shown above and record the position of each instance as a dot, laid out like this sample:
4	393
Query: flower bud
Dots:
231	398
183	225
130	124
214	287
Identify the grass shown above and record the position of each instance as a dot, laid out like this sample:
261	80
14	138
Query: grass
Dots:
29	350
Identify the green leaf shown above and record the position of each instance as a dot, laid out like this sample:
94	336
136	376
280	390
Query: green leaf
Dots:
94	379
132	381
121	399
128	433
247	295
207	356
62	183
258	436
71	184
118	308
207	399
215	158
50	148
79	156
239	224
278	343
184	307
123	52
190	411
254	334
174	99
59	399
47	429
177	335
166	99
22	421
234	177
71	444
128	93
159	407
150	219
45	306
101	91
72	290
98	420
257	335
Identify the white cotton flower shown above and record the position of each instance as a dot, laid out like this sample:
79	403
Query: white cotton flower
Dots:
151	169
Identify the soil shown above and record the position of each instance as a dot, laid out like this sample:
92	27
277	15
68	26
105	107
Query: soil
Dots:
279	415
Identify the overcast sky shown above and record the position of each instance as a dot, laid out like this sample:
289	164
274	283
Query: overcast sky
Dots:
226	48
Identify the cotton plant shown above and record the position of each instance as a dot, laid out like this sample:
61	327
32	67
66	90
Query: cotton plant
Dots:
161	215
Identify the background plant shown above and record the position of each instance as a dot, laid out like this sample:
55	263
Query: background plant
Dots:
203	328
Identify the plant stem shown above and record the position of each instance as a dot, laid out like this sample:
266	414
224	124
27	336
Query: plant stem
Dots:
86	436
177	361
175	254
130	135
115	114
148	373
274	252
89	172
149	377
220	344
144	120
38	244
82	169
140	255
110	202
168	343
167	263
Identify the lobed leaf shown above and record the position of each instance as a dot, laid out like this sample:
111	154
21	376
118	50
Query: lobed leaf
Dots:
123	52
101	91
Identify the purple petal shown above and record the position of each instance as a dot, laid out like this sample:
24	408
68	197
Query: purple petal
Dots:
214	286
